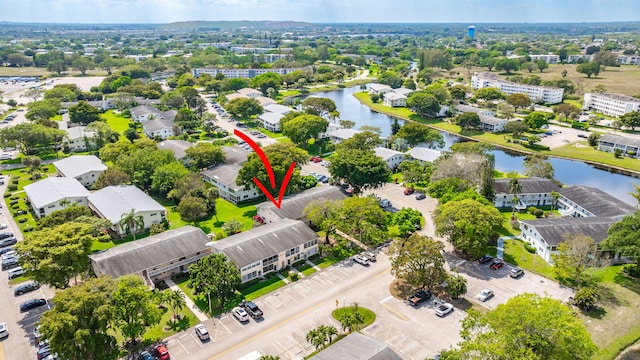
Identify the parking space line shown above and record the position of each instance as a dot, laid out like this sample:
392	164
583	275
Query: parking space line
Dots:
180	343
2	357
395	312
295	288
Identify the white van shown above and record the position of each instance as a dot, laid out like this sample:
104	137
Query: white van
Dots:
15	272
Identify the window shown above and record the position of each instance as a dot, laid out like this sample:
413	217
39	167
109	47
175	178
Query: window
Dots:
154	214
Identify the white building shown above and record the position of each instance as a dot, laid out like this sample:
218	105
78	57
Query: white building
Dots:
492	124
55	193
178	148
536	93
84	168
535	192
340	135
424	154
224	178
77	138
629	59
610	104
394	99
158	128
548	58
249	93
244	73
393	158
270	121
268	248
628	146
112	202
576	58
277	109
379	89
143	113
584	201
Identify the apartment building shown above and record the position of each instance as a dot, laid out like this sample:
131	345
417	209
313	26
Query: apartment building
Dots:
610	104
548	58
244	73
536	93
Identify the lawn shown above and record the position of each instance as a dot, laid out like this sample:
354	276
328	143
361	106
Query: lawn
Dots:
117	122
24	177
368	316
200	301
22	71
161	330
262	288
506	229
306	269
325	262
515	253
590	154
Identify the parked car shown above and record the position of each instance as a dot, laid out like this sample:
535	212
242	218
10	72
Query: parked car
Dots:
361	260
6	250
419	297
485	295
240	314
26	287
5	235
516	272
37	335
4	331
32	304
145	355
16	272
3	226
8	242
496	264
384	203
443	309
421	196
43	352
408	191
9	255
316	159
161	352
371	256
485	259
252	309
10	264
202	332
584	136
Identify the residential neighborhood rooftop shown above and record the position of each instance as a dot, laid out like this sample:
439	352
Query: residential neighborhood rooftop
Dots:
532	185
424	154
277	108
618	139
76	165
177	147
52	189
225	174
554	231
597	201
113	201
386	153
357	346
293	205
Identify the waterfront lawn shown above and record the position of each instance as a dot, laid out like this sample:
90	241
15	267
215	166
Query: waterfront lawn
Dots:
590	154
515	253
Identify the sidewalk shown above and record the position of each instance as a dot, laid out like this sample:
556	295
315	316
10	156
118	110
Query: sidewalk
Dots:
194	309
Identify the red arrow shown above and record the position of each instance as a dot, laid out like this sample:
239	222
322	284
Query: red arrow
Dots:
267	165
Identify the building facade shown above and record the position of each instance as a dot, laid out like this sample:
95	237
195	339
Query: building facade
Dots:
610	104
629	146
55	193
536	93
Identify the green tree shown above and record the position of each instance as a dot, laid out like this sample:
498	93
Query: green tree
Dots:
316	337
536	119
458	92
141	162
527	326
568	110
111	177
365	140
469	224
42	110
303	128
347	124
575	256
541	64
586	297
415	133
362	169
83	113
232	227
319	106
631	119
157	228
564	73
436	58
59	66
605	58
79	324
33	94
60	217
416	172
516	128
529	66
514	187
192	208
103	134
215	275
419	260
507	110
423	104
322	215
244	108
507	65
391	79
266	81
351	320
624	238
456	285
538	166
176	300
133	308
467	120
165	176
489	93
407	221
131	223
519	100
55	255
83	64
589	68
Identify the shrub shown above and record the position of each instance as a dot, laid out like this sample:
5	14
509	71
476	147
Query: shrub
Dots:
631	153
13	202
6	195
28	228
15	181
22	220
12	187
530	248
15	197
293	275
538	213
15	206
632	270
617	153
548	214
531	209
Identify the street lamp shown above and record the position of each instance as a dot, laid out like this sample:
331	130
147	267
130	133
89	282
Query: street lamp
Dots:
210	312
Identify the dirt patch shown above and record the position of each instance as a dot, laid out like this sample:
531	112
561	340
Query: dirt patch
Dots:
401	289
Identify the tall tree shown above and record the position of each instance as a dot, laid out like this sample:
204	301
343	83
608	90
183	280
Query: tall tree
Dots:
514	187
322	214
419	260
363	218
631	119
624	238
133	307
83	113
575	256
319	106
538	166
508	65
83	64
79	324
468	120
416	133
365	140
423	104
111	177
266	81
589	68
204	155
192	208
303	128
536	119
165	177
362	169
518	100
131	223
244	108
215	275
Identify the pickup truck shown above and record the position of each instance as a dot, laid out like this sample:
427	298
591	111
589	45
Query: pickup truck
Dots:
252	309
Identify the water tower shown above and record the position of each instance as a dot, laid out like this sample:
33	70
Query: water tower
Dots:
471	31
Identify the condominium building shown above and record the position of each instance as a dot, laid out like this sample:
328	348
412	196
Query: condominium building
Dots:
548	58
610	104
577	58
244	73
546	94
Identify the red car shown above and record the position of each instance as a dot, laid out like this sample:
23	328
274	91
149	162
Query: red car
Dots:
496	264
408	191
316	159
162	352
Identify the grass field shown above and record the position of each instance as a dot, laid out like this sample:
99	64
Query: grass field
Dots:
161	330
22	71
116	122
515	253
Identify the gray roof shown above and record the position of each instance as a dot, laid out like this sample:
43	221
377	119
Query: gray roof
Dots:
234	154
357	346
144	109
277	108
225	174
263	100
249	91
177	147
293	205
53	189
531	185
622	140
113	201
77	165
385	153
157	124
491	120
394	96
264	241
136	256
344	133
424	154
78	132
553	231
271	118
597	201
403	91
469	108
378	87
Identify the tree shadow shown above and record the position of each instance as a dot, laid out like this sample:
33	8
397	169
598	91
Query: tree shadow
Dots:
627	282
250	213
596	312
608	297
179	324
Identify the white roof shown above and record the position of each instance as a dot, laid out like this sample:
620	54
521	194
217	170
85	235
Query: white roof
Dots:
277	108
378	87
393	96
77	165
271	118
78	132
424	154
234	96
343	133
264	101
113	201
53	189
403	91
385	153
249	91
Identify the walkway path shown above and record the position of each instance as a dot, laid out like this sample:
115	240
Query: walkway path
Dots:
350	238
500	247
190	304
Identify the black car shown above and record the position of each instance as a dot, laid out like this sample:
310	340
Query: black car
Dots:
8	241
6	250
5	235
419	297
485	259
25	288
252	309
32	304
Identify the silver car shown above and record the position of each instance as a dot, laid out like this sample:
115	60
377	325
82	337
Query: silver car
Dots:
443	309
240	314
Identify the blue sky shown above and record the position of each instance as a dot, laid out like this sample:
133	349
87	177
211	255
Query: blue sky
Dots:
429	11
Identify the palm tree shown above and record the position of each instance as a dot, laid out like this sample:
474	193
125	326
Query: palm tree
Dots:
130	222
316	338
329	332
514	188
269	357
351	320
176	301
555	197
